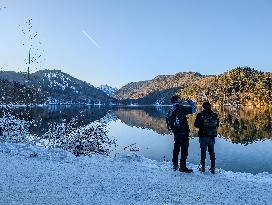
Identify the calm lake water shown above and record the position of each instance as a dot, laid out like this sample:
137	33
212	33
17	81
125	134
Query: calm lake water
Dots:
244	143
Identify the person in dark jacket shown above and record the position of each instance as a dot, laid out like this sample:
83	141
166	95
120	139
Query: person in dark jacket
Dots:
177	123
207	122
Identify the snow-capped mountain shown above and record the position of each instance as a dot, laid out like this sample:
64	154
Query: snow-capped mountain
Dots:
110	91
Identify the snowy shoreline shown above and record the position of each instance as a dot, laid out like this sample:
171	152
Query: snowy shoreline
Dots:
36	175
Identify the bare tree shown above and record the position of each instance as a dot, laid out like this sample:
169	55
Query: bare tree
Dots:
34	52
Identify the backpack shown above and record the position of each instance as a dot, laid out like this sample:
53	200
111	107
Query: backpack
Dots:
169	119
176	121
210	124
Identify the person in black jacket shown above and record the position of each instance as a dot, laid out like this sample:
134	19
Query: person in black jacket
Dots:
207	121
177	123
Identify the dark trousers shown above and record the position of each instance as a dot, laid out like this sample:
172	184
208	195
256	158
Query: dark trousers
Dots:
207	142
180	142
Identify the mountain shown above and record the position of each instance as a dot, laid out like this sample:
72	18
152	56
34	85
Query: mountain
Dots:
55	87
158	90
108	90
64	87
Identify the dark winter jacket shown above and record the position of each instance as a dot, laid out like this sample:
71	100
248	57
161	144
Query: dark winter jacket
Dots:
199	122
176	119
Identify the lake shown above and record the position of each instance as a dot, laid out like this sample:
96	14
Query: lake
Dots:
244	143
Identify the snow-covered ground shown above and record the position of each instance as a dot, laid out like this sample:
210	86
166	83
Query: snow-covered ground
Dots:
36	175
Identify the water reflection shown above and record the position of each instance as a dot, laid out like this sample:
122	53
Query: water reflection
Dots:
45	117
243	126
144	117
80	130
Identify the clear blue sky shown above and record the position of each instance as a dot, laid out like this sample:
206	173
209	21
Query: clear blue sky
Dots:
117	42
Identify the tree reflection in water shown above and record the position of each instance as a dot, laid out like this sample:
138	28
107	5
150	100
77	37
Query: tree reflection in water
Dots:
245	126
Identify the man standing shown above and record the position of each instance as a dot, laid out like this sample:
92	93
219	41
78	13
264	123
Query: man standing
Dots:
207	122
176	121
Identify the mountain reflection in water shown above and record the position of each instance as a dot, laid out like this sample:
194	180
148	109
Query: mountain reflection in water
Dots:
242	126
146	118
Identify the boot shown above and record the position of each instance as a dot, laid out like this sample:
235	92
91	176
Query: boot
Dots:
212	170
175	167
185	169
201	168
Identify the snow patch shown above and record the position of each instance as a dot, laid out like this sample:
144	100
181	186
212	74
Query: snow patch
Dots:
36	175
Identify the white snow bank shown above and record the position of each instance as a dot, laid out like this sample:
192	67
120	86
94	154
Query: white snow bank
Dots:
36	175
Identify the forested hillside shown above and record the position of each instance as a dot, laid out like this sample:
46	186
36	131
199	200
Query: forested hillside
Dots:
48	86
16	93
240	86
